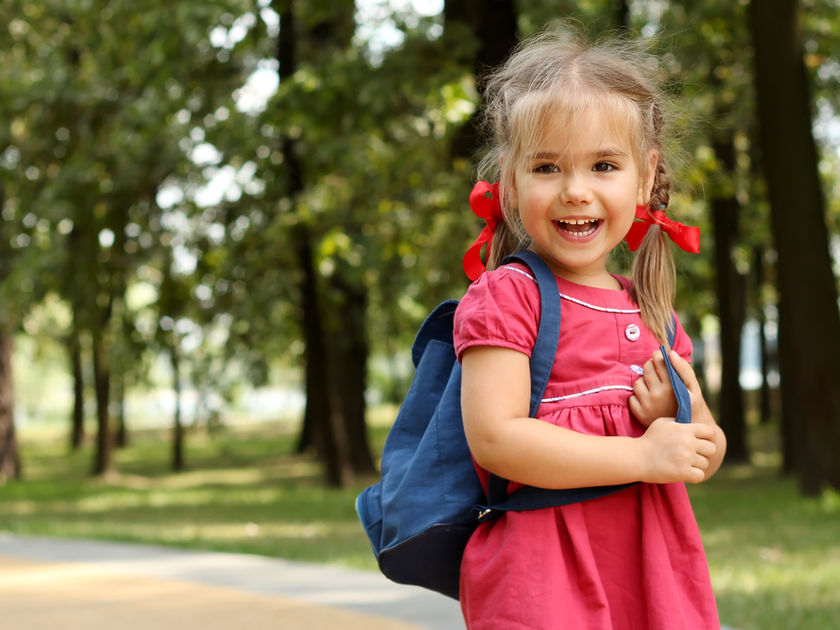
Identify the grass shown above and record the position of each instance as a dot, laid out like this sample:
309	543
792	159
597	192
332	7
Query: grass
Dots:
243	491
773	555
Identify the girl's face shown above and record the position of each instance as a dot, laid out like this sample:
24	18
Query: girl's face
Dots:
577	192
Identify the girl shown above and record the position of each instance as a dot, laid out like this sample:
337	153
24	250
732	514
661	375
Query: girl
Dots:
578	154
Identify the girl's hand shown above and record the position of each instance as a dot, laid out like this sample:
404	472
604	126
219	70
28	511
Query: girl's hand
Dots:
653	397
673	452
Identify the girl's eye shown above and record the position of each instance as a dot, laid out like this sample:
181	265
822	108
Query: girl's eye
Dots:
603	167
546	169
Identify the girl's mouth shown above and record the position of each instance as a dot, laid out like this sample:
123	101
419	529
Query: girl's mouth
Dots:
578	228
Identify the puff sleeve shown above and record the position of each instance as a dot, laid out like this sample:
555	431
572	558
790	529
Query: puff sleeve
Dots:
500	309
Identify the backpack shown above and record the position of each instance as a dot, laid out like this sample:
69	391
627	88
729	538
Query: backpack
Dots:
429	500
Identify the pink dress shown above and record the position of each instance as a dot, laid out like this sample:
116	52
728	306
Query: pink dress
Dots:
628	561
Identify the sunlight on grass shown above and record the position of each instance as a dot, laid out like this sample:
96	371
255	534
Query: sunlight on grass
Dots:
243	491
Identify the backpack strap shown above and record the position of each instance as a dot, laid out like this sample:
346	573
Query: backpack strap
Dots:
541	363
548	335
680	390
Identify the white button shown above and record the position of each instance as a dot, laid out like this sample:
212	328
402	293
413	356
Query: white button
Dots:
632	332
637	369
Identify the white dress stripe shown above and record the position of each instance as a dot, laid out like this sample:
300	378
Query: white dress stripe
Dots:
597	390
602	309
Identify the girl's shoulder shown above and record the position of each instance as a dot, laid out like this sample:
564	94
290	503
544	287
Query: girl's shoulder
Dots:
511	286
501	308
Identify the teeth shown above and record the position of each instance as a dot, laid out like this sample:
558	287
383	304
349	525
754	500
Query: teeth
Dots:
592	226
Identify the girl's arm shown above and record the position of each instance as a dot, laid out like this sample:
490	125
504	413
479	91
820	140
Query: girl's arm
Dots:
495	394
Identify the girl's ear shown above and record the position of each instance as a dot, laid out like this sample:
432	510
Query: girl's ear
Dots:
646	183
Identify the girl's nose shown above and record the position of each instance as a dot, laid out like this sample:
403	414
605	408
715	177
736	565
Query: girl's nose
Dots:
574	190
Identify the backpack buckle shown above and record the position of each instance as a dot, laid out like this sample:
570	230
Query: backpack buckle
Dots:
484	513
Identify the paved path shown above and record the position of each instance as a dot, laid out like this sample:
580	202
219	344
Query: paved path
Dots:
88	585
61	584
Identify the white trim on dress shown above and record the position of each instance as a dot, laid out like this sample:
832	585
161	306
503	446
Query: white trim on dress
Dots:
597	390
602	309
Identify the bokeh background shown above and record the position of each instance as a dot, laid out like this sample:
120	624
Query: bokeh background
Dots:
223	220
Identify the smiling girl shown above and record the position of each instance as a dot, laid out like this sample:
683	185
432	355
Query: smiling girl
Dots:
578	155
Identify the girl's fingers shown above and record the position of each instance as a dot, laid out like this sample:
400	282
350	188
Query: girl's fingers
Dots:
658	362
684	370
706	447
640	388
635	406
653	374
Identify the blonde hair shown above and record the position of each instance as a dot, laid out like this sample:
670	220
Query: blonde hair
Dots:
559	73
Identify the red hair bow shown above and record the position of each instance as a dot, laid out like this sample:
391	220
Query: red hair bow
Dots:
686	237
484	201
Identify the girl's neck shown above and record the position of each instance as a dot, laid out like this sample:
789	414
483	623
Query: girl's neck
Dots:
598	280
606	281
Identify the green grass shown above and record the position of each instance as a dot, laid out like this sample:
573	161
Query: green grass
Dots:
773	555
243	491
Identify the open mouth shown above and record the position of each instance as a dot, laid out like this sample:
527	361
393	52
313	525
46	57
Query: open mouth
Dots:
579	227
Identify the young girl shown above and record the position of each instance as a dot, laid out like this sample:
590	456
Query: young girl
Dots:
578	155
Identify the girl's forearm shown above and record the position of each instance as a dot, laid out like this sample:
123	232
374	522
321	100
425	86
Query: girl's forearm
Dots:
540	454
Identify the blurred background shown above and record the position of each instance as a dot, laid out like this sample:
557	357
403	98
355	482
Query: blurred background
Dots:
223	221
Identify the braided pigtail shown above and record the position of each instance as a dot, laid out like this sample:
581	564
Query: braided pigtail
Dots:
654	274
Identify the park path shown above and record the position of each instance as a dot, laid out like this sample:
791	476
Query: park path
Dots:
48	583
64	584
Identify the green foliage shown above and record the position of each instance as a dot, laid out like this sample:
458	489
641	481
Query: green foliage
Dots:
383	201
100	106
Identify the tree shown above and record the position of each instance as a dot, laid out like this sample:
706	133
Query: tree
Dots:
809	321
101	129
493	27
365	198
726	210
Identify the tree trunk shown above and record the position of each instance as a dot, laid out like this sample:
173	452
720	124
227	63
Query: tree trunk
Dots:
10	467
177	424
792	430
104	457
323	424
765	405
494	25
77	422
351	353
731	310
122	427
323	398
622	16
809	319
314	363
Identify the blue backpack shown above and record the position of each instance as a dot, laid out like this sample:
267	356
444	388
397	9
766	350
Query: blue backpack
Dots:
429	500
